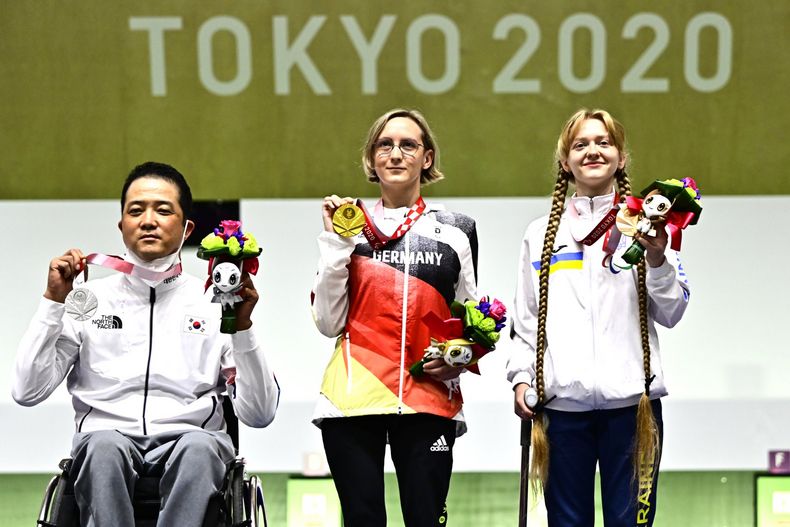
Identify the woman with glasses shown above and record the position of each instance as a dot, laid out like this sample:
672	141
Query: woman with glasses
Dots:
371	292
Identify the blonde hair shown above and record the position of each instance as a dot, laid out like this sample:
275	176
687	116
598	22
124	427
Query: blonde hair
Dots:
647	442
613	128
428	175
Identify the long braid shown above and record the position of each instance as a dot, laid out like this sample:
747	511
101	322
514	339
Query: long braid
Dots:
623	182
539	469
647	443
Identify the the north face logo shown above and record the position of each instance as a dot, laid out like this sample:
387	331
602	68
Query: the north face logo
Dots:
440	445
108	322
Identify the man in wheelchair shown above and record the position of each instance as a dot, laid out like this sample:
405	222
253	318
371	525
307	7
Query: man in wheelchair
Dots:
145	363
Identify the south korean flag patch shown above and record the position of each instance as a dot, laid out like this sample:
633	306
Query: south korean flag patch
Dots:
195	325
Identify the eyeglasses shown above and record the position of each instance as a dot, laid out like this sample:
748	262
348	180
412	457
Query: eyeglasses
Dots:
408	147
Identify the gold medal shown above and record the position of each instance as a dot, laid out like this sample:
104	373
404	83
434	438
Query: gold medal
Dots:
348	220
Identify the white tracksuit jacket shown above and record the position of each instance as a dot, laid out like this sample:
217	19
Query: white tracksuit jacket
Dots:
594	354
147	361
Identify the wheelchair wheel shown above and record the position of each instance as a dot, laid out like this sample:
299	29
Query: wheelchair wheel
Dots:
257	507
44	516
236	496
58	506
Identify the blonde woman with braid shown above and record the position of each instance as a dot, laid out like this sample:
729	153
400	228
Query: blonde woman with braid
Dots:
586	338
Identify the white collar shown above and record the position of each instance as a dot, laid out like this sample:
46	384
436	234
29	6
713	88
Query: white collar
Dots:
595	205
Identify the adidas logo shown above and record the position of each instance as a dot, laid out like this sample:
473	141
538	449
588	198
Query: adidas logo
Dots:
440	445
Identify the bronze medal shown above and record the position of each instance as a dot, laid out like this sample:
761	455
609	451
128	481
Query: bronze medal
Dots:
348	220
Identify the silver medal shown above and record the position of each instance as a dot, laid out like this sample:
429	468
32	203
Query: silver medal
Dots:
81	304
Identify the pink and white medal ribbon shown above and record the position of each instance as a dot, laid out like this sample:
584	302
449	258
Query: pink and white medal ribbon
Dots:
81	303
122	266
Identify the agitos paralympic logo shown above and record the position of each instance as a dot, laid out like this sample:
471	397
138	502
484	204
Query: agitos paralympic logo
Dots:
108	322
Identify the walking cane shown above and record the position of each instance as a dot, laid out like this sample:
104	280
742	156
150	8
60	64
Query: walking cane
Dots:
526	440
531	400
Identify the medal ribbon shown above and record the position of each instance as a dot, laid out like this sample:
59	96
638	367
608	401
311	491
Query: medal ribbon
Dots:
378	239
119	264
604	226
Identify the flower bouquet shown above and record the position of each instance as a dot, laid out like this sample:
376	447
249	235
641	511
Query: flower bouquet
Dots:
463	340
230	252
672	203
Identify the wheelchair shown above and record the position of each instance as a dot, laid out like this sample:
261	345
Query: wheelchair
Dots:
240	502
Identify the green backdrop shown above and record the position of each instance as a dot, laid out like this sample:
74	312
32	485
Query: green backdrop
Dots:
271	99
699	499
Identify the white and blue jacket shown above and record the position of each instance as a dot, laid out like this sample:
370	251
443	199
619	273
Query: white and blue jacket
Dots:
149	360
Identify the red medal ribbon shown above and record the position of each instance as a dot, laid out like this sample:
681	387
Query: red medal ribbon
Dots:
604	226
378	239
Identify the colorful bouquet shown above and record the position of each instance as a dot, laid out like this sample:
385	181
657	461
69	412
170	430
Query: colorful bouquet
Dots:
230	252
671	203
228	240
463	340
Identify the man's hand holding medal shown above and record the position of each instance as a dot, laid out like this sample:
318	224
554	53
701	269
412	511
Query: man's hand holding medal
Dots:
62	271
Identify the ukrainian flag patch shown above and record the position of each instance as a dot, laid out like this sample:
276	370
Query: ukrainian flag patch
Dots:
563	261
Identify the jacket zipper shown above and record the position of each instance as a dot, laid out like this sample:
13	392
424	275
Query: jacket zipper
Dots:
213	409
349	383
403	323
152	300
79	428
593	303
